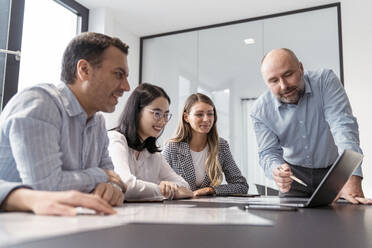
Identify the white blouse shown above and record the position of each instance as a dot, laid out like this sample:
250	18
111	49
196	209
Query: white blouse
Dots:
199	159
141	176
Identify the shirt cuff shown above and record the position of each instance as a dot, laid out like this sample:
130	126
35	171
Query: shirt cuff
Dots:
358	172
98	175
8	187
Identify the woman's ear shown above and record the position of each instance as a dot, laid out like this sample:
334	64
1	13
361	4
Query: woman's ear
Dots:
186	117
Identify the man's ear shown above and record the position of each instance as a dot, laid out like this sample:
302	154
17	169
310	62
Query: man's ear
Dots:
301	67
83	69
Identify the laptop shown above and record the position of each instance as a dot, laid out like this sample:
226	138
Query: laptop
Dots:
328	188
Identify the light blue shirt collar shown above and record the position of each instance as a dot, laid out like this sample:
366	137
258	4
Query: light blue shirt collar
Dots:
72	105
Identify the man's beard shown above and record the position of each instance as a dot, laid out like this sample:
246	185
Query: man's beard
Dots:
294	97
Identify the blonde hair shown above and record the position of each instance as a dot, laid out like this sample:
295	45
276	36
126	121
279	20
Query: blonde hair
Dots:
184	133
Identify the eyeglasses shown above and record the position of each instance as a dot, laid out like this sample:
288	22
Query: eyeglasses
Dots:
158	115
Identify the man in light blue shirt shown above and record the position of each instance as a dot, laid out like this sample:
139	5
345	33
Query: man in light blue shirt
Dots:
51	137
302	124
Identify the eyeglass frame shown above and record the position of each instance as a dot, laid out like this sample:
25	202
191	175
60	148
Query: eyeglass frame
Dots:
162	115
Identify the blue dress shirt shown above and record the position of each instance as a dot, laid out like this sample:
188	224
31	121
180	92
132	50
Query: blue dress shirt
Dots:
311	133
47	143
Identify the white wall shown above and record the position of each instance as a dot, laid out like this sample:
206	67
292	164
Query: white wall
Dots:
357	44
102	21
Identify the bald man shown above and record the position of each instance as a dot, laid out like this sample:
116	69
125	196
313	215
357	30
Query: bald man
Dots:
302	123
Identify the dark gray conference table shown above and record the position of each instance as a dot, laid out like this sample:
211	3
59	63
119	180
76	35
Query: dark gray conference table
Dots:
339	225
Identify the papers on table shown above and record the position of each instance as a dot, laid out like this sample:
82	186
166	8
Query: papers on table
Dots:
189	214
21	227
228	199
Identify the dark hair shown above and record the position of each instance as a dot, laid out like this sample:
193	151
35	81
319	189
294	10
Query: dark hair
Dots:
141	97
89	46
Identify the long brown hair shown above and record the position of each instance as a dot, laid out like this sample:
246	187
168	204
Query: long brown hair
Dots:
184	133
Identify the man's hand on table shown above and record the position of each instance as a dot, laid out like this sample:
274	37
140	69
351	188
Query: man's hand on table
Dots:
352	191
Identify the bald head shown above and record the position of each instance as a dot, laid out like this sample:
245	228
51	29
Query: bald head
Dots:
283	74
280	53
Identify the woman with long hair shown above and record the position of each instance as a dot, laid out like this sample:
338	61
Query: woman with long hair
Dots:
134	151
199	155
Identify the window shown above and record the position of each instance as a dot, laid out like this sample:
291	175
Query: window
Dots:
44	29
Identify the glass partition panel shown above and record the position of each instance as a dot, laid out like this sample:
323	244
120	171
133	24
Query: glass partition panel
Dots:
312	35
229	69
171	62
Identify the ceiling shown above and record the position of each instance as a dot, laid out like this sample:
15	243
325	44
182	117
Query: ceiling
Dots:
147	17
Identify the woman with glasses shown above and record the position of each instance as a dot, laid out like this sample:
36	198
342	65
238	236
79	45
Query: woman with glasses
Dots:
134	152
199	155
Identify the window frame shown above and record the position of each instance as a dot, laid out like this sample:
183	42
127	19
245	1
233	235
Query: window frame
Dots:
11	76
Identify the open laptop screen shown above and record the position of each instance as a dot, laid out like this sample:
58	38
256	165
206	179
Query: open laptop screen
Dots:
335	179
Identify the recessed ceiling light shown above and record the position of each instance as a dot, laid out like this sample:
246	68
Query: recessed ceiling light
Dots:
249	41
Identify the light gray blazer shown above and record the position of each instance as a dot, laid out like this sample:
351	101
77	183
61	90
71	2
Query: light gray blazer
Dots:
179	158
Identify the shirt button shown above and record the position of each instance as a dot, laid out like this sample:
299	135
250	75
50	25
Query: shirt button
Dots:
306	147
307	156
304	136
301	122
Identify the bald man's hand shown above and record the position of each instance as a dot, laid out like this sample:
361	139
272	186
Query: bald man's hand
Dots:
282	178
353	193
